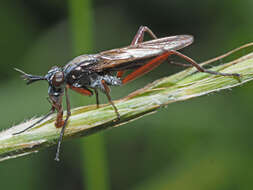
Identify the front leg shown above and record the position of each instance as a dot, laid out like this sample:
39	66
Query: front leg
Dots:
37	122
64	125
59	118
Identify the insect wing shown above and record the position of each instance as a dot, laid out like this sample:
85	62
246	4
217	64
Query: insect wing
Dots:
116	57
169	43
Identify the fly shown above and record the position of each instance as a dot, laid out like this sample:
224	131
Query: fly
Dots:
88	74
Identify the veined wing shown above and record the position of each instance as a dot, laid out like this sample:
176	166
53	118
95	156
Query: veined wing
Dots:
117	58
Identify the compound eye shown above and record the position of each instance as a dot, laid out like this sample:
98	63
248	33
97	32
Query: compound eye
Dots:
58	78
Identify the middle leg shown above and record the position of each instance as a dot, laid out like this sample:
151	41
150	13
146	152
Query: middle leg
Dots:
97	98
107	92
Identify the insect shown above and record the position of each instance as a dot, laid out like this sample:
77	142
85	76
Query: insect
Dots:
86	74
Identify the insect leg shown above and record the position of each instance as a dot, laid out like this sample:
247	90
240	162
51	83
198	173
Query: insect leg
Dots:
82	91
64	126
200	68
107	92
37	122
86	92
180	64
146	68
138	38
97	98
59	118
158	60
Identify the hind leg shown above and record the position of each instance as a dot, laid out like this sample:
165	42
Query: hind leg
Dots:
161	58
138	38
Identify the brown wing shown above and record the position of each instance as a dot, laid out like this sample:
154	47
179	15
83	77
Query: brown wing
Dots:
128	57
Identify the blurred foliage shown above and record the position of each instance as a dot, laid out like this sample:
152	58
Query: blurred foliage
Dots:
204	143
93	149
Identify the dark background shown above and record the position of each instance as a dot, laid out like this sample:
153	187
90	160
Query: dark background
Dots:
204	143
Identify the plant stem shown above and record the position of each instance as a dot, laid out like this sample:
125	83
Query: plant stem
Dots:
88	120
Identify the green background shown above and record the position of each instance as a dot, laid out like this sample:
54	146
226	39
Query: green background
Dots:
204	143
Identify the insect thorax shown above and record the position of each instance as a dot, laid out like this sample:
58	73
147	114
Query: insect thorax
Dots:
80	73
93	80
96	82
